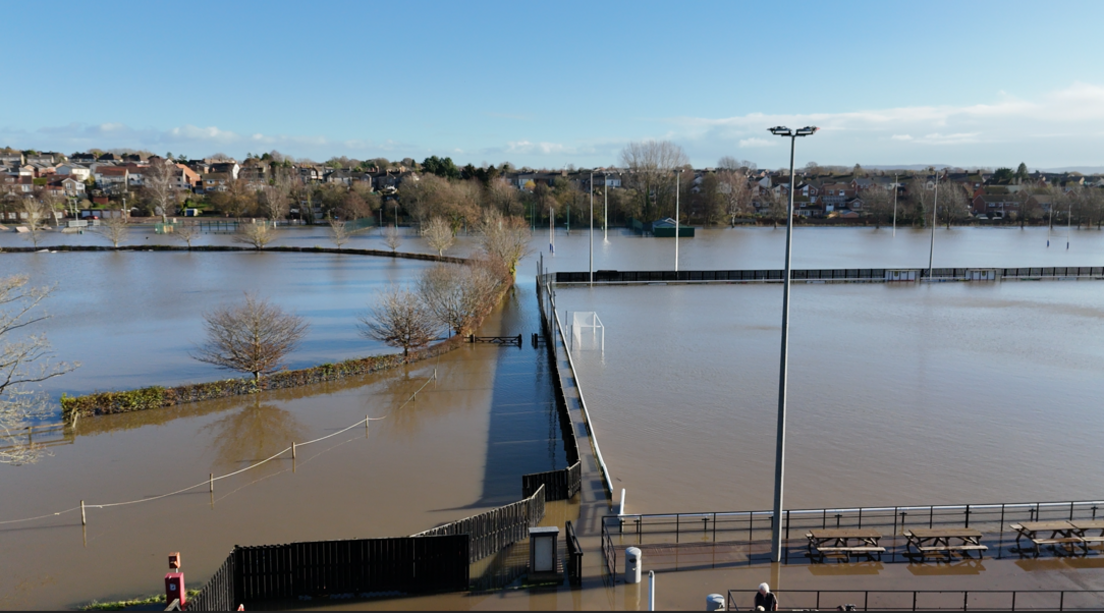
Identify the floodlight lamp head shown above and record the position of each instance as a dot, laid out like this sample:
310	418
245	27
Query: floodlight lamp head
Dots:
780	131
807	131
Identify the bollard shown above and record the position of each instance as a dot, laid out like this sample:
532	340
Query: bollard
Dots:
651	590
714	602
632	565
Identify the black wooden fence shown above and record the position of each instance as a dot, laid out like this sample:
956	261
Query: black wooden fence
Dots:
281	572
218	594
560	484
564	483
842	274
497	528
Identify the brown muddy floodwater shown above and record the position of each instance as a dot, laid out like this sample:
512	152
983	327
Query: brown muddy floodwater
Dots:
899	395
459	449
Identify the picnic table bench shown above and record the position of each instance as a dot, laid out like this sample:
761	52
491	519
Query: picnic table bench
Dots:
844	542
944	541
1062	533
1085	525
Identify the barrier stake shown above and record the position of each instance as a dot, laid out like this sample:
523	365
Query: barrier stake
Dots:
84	520
212	482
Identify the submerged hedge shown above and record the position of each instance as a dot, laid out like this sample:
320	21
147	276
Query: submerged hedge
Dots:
155	397
432	257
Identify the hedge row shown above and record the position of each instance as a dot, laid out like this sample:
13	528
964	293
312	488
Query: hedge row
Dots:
107	403
432	257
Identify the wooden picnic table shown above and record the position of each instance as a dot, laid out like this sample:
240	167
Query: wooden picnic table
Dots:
944	541
844	542
1085	526
1061	532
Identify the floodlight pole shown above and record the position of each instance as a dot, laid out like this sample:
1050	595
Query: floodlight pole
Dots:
780	449
605	208
894	205
935	211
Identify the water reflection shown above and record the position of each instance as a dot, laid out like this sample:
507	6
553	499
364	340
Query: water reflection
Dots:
251	434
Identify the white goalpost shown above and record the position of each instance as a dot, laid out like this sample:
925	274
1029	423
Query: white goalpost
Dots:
587	331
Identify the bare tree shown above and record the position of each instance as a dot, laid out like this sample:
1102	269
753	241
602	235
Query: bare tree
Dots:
438	235
114	227
23	362
504	239
36	212
878	202
252	337
338	232
276	198
54	202
650	165
458	296
159	185
399	319
186	231
257	234
392	237
735	194
952	202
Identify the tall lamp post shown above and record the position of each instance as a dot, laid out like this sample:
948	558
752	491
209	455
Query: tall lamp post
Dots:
592	228
781	447
779	454
935	211
895	205
678	177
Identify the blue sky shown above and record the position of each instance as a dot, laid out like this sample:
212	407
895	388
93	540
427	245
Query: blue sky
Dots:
544	85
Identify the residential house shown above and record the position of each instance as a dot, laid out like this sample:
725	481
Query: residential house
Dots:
216	181
82	158
187	179
111	179
77	171
45	158
11	159
229	168
109	157
311	174
994	206
16	185
66	185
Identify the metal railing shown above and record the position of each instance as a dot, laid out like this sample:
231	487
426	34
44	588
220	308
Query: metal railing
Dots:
927	600
747	528
868	275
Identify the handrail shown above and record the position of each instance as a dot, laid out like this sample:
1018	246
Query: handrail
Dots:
926	606
607	481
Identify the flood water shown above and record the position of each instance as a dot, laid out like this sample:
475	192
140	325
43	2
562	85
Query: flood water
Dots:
457	450
898	394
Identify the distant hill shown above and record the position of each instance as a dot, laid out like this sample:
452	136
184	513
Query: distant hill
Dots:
1085	170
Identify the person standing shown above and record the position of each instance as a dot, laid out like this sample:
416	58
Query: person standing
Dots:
765	600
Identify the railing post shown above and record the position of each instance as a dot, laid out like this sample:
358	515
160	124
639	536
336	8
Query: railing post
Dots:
965	600
967	516
913	600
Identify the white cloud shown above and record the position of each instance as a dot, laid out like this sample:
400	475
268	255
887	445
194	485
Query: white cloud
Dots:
525	147
755	142
1057	127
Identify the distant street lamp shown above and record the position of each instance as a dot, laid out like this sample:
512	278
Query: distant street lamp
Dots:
894	205
779	456
678	177
592	228
935	211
